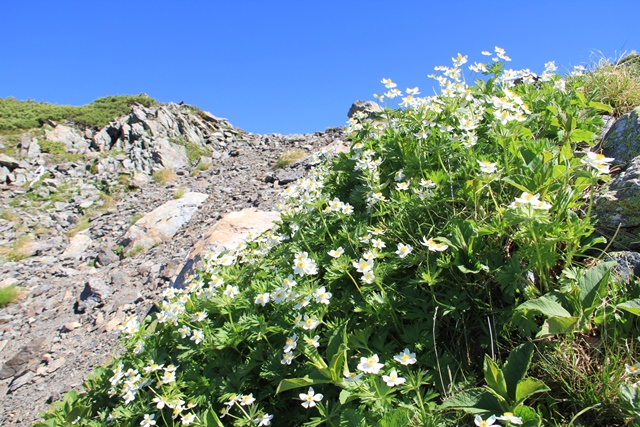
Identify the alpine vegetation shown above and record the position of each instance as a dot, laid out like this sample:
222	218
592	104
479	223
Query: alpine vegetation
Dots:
444	272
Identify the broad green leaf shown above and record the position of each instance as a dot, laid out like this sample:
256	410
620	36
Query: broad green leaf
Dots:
495	378
306	381
336	340
529	416
600	106
528	387
515	184
557	325
582	135
545	306
473	401
566	151
337	362
516	367
346	396
632	306
593	284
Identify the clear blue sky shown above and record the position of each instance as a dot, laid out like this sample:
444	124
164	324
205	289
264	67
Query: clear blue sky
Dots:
284	66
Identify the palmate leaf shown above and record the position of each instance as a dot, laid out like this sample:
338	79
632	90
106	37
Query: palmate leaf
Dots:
528	415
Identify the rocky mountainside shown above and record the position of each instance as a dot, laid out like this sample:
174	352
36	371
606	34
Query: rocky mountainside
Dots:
96	224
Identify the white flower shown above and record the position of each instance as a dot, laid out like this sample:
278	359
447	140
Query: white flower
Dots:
402	186
370	365
632	369
138	348
289	282
352	377
314	341
336	252
198	336
378	243
262	299
265	420
485	423
309	322
290	344
363	265
322	296
487	167
287	358
310	398
399	176
231	291
368	276
184	331
148	420
404	250
393	379
168	377
246	400
160	401
598	161
508	416
304	265
406	357
187	419
433	246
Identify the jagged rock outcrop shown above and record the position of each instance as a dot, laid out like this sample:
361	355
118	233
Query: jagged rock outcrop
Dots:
622	141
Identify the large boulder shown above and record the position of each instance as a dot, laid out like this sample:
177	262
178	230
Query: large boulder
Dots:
617	207
162	223
370	108
622	141
73	140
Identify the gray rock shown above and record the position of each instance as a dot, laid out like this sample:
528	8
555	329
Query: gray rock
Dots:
27	358
618	202
34	149
370	108
622	141
21	381
77	246
95	294
9	162
628	264
162	223
169	155
106	256
73	140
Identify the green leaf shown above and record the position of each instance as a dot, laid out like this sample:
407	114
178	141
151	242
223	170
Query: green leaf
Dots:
593	284
557	325
473	401
211	419
600	106
545	306
516	367
582	135
305	381
632	306
528	387
581	97
529	416
495	378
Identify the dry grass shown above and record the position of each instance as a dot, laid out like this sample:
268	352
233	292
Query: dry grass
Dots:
615	83
288	157
163	176
19	249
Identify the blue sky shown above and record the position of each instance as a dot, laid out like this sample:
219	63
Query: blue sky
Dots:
284	66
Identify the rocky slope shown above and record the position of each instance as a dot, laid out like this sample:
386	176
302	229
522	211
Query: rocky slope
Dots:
64	223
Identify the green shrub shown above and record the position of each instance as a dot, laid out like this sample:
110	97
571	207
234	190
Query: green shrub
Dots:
391	285
52	147
8	295
16	115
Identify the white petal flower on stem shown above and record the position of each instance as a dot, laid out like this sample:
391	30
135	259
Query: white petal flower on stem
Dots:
433	246
290	343
310	398
393	379
509	417
404	250
262	299
247	399
484	423
487	167
264	420
322	296
148	420
370	365
336	253
406	357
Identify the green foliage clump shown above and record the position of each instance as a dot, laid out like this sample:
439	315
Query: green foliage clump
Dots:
23	115
52	147
405	284
8	294
615	83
